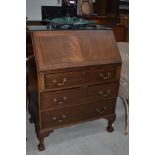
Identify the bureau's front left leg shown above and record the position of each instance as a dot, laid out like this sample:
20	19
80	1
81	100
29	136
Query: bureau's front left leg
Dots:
41	136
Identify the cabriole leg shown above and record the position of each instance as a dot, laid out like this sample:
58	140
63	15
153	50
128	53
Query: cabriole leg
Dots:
41	145
41	136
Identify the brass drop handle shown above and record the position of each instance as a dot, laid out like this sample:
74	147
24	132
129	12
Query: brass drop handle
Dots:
59	120
60	84
105	76
105	93
60	102
101	111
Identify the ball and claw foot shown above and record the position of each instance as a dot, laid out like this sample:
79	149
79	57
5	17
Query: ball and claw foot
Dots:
111	120
110	129
41	136
41	147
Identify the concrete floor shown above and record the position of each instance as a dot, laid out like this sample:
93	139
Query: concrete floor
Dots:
89	138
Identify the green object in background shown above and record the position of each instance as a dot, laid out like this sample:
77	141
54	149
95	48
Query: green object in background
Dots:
71	21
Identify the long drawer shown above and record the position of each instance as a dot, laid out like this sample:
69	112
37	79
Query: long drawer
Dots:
82	77
62	98
63	116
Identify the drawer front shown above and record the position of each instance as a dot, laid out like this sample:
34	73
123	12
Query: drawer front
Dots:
74	114
75	96
77	78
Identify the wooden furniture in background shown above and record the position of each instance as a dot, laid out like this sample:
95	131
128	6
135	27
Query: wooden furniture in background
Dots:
121	33
77	79
119	25
100	7
111	7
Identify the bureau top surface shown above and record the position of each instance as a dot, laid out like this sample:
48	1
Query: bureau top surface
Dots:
71	49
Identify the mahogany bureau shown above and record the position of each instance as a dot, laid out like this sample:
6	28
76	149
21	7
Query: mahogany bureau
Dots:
77	75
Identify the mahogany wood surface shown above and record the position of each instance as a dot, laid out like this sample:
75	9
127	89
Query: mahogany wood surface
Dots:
63	98
70	49
81	77
76	76
76	113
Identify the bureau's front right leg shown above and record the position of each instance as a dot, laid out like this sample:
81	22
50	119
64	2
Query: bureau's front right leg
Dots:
41	145
41	135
